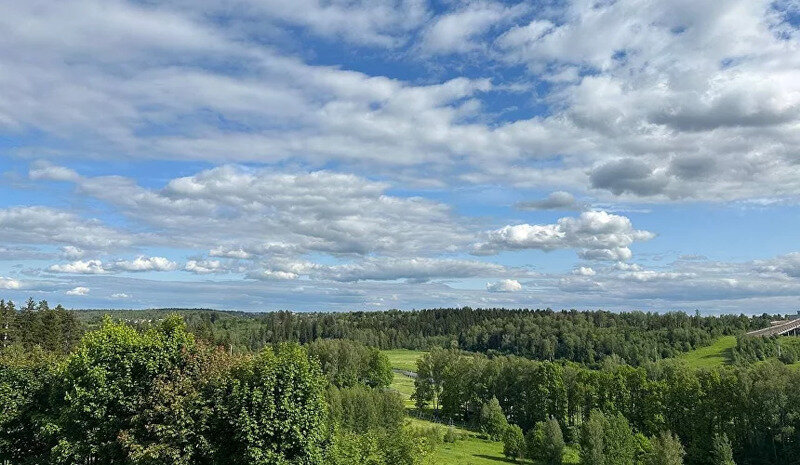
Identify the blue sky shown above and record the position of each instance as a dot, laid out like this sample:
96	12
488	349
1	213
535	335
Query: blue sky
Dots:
346	155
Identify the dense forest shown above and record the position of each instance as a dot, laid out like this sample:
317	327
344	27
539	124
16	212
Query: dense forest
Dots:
582	337
205	387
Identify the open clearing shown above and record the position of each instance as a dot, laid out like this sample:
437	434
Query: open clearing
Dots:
718	353
472	450
402	359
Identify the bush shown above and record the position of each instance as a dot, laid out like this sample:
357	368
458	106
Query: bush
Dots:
513	442
451	435
493	421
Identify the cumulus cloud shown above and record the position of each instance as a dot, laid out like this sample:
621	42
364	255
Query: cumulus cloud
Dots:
584	271
419	269
80	267
700	116
628	175
80	290
788	265
120	295
205	266
282	213
49	226
597	235
559	200
456	32
140	263
506	285
9	283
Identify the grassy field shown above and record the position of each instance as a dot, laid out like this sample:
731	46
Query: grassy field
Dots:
405	386
472	450
718	353
402	359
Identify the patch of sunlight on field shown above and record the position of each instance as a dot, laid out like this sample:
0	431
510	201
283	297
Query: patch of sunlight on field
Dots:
405	386
718	353
402	359
472	450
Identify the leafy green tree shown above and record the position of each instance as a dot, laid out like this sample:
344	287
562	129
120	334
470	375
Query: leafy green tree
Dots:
607	440
378	373
721	450
25	379
592	439
534	442
431	371
553	450
513	442
666	449
122	398
271	410
545	442
620	446
493	421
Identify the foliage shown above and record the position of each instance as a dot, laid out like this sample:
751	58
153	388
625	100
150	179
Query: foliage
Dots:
666	449
430	376
492	420
607	440
721	450
451	435
362	409
271	410
404	446
36	324
347	363
545	442
513	442
583	337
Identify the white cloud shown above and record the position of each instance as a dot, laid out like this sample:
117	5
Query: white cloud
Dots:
142	263
650	275
666	107
418	269
597	235
80	267
72	252
205	266
48	226
456	32
80	290
584	271
9	283
45	170
120	295
788	265
283	213
506	285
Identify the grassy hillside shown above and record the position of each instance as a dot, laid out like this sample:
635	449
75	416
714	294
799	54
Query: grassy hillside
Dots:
402	359
718	353
472	450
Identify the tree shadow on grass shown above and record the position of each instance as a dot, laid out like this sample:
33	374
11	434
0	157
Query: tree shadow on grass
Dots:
497	459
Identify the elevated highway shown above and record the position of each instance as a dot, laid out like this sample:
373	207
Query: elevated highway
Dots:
778	329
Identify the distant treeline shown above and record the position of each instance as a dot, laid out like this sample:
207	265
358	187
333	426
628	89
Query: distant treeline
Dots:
585	337
36	324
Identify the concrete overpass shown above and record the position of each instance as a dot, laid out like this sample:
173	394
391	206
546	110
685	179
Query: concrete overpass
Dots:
779	328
